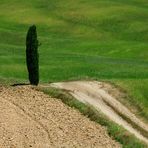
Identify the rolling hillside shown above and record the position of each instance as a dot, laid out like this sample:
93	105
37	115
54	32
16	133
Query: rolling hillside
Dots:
99	39
25	125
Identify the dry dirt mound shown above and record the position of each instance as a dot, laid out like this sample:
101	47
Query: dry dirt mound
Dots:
29	118
96	94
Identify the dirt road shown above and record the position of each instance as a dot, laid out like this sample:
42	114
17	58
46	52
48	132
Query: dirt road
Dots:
96	94
29	118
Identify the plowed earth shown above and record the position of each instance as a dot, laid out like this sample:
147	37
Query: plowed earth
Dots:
29	118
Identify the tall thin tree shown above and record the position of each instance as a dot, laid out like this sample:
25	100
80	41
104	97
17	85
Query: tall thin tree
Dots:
32	56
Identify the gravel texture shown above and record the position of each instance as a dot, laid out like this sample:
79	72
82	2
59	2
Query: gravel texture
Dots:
29	118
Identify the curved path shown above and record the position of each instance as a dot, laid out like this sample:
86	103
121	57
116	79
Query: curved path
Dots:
29	118
96	94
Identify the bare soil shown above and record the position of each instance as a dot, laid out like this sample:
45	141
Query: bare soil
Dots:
29	118
97	94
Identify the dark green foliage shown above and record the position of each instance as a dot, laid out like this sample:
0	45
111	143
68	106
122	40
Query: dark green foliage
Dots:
32	56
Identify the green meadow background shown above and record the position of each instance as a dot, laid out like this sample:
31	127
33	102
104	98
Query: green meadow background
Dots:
80	39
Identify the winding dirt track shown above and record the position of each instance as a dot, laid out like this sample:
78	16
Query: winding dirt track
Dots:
29	118
96	94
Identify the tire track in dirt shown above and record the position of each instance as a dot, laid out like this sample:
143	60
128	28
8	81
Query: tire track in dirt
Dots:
29	118
93	93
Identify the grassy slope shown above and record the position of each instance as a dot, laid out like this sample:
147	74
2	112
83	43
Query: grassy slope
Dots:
101	39
138	94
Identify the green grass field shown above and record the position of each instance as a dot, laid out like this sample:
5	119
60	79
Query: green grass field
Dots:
81	39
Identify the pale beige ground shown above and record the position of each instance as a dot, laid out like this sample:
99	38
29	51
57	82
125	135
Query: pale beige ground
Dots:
29	118
97	94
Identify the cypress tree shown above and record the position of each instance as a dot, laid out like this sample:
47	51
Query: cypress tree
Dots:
32	56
